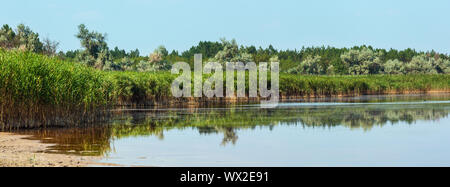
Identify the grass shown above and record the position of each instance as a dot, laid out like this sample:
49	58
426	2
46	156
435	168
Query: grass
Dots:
294	85
36	79
36	90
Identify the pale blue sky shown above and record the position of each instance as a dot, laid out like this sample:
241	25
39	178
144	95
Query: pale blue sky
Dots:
145	24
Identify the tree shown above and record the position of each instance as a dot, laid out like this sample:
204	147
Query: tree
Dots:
231	53
428	64
394	67
144	66
134	53
156	61
72	54
112	66
96	51
444	66
206	48
7	37
49	47
155	57
27	39
162	50
331	70
251	50
309	66
274	59
125	64
361	62
117	53
23	39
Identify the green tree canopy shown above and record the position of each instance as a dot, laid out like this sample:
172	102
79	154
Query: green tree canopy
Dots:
96	51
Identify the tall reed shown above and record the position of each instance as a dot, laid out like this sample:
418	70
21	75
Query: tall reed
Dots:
36	90
348	85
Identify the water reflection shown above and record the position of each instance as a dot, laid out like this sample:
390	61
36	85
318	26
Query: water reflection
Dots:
226	121
88	141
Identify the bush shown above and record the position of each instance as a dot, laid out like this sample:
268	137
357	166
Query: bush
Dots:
310	66
362	62
36	90
394	67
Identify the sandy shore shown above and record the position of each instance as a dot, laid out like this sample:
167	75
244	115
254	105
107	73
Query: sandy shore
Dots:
16	151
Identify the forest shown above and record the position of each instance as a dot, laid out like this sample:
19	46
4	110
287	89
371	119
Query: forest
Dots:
358	60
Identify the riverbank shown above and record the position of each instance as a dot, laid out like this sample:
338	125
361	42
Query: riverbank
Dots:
18	151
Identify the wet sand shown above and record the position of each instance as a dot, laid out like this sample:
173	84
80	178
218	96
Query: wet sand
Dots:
18	151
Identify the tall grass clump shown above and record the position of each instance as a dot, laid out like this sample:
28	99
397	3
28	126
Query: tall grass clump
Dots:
36	90
348	85
139	88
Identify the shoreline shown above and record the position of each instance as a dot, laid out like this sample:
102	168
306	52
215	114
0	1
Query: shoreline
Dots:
19	151
192	101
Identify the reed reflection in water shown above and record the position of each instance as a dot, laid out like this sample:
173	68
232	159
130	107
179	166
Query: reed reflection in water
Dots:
228	121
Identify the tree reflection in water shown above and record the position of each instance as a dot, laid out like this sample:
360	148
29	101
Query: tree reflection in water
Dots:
98	139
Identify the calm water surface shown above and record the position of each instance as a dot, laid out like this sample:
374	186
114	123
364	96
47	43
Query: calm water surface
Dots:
409	130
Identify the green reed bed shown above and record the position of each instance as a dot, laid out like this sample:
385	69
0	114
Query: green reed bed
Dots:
304	85
136	87
36	90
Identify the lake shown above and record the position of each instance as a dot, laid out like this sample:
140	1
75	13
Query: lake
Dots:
398	130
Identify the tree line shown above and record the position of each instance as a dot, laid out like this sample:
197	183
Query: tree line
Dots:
358	60
23	38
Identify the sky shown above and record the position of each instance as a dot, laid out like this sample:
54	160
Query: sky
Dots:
286	24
